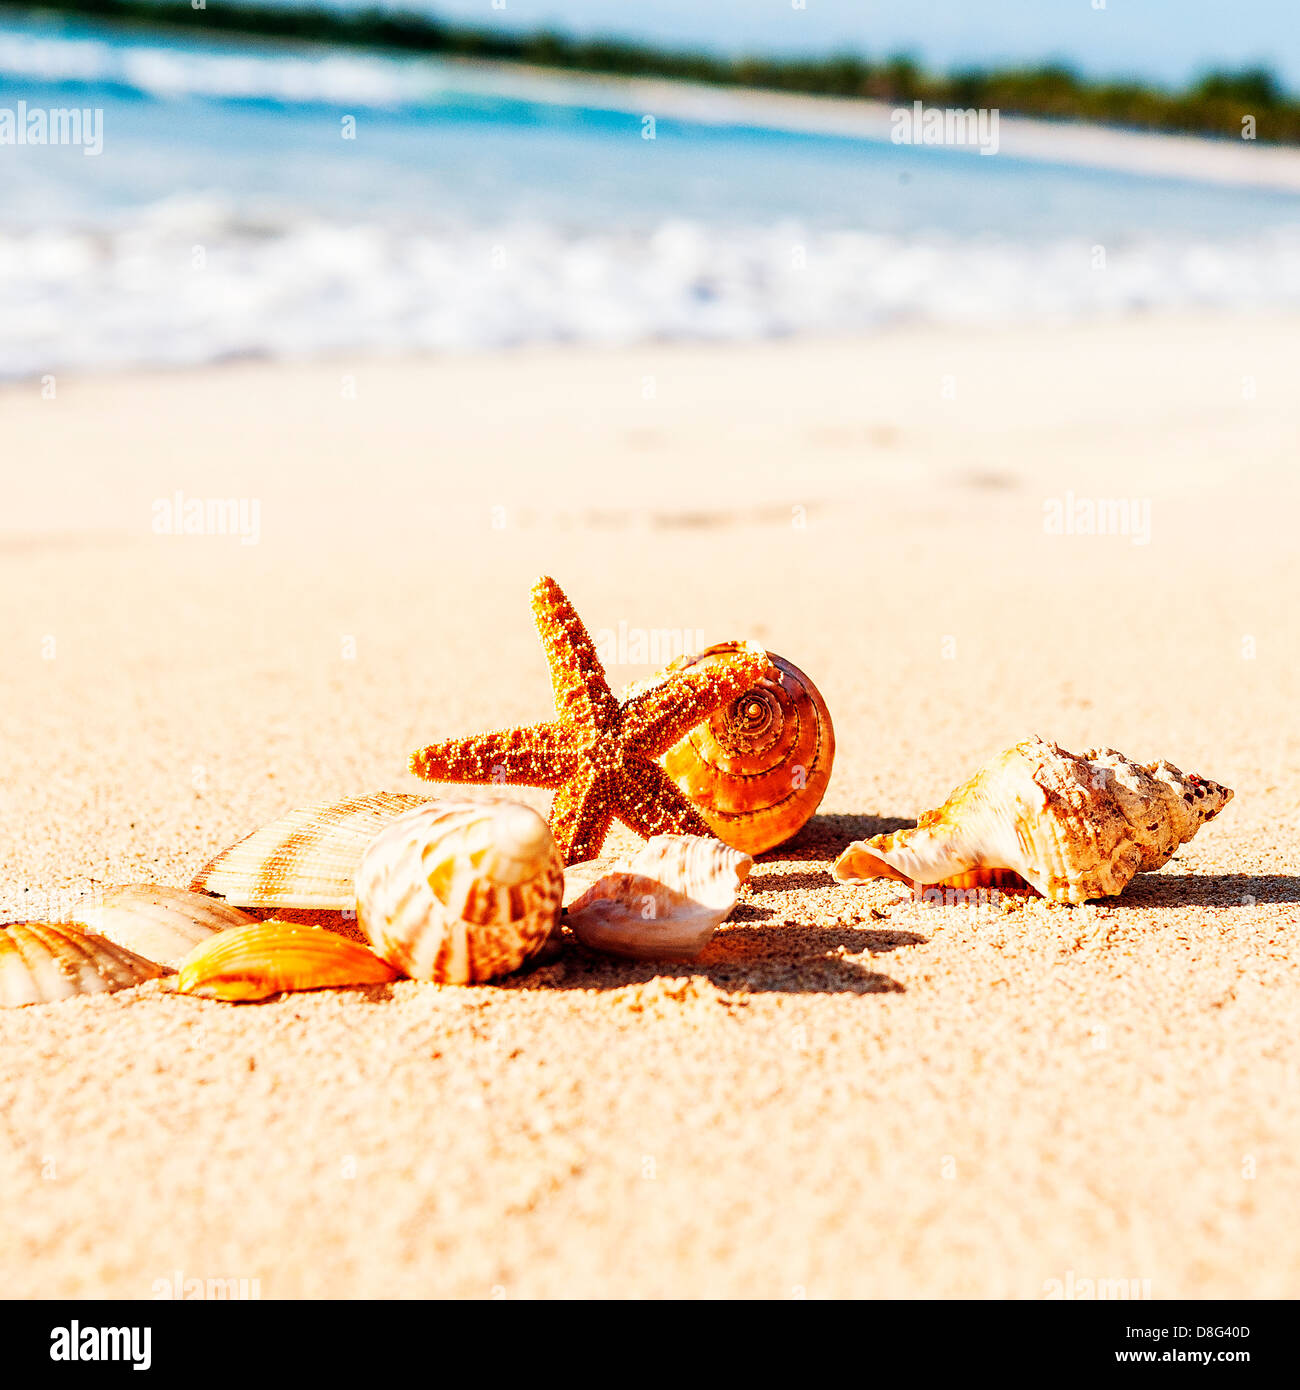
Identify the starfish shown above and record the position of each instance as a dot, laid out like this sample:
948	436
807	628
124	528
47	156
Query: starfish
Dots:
599	754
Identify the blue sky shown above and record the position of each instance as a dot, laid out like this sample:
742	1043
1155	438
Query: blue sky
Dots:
1166	41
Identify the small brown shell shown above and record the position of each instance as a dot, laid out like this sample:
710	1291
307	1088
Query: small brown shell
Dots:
44	961
273	957
758	768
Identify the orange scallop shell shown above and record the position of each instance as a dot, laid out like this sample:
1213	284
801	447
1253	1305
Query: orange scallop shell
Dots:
758	768
276	957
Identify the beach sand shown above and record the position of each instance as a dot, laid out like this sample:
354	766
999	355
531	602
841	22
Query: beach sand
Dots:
849	1094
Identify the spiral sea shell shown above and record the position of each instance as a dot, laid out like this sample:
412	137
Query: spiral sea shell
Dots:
1072	827
758	768
461	891
272	957
44	961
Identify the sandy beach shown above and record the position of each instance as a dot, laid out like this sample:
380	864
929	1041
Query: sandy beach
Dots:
1240	162
849	1095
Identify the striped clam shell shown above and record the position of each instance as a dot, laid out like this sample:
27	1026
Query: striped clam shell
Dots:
662	903
160	923
306	859
41	962
272	957
461	891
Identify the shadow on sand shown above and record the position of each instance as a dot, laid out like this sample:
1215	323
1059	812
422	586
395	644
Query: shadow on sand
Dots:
1207	890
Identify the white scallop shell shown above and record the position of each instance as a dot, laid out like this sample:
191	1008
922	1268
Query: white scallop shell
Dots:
461	891
662	903
307	858
41	962
159	923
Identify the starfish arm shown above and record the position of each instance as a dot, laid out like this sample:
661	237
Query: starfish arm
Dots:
581	816
651	804
655	718
541	755
582	694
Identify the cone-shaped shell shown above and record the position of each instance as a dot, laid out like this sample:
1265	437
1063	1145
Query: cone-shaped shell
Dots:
757	769
1073	827
306	859
44	961
664	902
160	923
247	963
461	891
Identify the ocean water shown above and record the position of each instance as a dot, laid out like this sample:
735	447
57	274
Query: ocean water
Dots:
228	217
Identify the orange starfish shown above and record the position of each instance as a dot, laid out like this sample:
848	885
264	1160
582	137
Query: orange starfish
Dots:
599	754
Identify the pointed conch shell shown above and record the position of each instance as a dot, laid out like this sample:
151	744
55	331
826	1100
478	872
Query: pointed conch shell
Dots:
757	769
662	903
1073	827
306	859
255	962
44	961
461	891
160	923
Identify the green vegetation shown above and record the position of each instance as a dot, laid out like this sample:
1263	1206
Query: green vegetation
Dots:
1216	105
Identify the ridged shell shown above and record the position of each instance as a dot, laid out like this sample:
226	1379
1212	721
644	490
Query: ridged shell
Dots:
41	962
1073	827
757	769
461	891
160	923
247	963
662	903
307	858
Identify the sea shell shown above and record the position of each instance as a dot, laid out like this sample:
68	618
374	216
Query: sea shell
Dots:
160	923
662	903
273	957
461	891
758	768
1073	827
579	877
44	961
306	859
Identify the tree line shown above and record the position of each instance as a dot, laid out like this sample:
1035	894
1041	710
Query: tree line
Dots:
1220	103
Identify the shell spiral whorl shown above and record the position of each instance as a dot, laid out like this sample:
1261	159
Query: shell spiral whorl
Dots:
758	768
461	891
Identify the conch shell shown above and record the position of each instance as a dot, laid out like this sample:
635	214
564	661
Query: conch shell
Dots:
662	903
757	769
1073	827
272	957
44	961
307	858
461	891
160	923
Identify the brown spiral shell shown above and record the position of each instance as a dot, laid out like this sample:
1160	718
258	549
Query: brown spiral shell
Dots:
758	768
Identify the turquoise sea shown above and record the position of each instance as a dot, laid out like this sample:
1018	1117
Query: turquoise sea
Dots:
252	200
